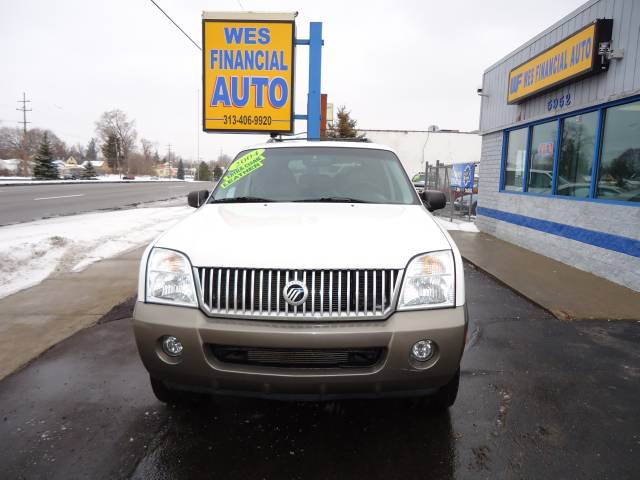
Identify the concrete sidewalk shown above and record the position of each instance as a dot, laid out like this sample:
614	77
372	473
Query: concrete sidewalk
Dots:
566	292
33	320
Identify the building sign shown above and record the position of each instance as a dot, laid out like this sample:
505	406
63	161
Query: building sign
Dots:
247	72
462	175
575	57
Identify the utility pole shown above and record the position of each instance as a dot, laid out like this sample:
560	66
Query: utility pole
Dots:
24	111
23	168
169	158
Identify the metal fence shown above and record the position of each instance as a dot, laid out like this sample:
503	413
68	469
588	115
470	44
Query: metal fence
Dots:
436	177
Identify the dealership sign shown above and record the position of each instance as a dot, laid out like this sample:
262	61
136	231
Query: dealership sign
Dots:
248	73
574	57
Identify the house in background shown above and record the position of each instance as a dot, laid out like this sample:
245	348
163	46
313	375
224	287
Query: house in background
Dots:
100	166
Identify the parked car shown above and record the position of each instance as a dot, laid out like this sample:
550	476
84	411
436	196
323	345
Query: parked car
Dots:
70	176
329	279
461	204
128	177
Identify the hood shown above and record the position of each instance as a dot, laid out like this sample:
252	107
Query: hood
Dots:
305	235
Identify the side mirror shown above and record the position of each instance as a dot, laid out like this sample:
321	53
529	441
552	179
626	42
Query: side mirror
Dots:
197	198
434	200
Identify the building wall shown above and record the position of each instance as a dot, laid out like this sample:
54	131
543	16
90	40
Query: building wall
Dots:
622	80
614	219
447	146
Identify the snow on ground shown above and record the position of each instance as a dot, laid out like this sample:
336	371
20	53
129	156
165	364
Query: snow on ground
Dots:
101	178
461	225
32	251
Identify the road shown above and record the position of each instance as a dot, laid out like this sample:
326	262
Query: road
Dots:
539	398
23	203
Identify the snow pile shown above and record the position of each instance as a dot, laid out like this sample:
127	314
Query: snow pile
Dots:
30	252
101	178
457	225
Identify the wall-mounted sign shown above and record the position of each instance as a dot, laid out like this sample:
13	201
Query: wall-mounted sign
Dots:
248	72
574	57
462	175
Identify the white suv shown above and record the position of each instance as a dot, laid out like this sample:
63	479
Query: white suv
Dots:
312	271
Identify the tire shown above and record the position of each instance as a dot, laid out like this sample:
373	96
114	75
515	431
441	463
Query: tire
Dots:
446	396
170	396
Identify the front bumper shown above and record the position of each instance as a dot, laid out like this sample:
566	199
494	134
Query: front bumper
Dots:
393	375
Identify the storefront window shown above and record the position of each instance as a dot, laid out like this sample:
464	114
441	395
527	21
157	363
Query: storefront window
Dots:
542	151
516	154
619	172
576	155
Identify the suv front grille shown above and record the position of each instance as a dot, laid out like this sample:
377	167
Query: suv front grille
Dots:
332	294
298	358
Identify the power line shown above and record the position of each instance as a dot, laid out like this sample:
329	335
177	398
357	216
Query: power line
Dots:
240	4
177	26
24	111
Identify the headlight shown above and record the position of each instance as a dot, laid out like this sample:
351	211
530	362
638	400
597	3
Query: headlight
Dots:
429	282
169	278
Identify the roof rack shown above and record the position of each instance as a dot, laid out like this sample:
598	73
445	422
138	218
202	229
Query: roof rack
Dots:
278	138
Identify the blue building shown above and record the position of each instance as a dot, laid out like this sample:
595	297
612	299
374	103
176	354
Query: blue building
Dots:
560	126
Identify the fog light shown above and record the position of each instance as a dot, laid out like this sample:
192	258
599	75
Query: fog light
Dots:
172	346
422	350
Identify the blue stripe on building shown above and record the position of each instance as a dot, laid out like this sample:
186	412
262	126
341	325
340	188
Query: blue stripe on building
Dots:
617	243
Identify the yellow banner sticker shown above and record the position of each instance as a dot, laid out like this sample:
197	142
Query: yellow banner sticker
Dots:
243	166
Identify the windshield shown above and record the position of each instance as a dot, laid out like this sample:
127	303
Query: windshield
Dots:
318	174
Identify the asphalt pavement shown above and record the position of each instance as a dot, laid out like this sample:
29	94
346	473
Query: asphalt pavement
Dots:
539	398
23	203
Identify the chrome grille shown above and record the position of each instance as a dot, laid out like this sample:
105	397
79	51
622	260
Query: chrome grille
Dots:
333	294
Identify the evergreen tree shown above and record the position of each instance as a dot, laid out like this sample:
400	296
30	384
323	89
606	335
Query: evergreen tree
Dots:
92	150
156	158
110	152
346	126
89	171
204	174
44	168
180	173
217	172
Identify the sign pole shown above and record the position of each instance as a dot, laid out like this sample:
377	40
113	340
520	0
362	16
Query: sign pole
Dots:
451	190
315	75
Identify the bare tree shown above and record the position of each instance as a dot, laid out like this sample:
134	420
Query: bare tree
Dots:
11	145
77	151
116	122
139	164
14	144
148	148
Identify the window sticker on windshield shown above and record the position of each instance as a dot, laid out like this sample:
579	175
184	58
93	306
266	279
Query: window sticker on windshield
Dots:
243	167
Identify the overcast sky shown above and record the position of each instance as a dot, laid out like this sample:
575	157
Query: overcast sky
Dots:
395	65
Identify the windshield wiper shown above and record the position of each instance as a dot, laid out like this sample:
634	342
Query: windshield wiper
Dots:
242	200
333	199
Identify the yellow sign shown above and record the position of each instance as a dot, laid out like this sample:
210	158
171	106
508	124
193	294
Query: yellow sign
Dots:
573	57
248	73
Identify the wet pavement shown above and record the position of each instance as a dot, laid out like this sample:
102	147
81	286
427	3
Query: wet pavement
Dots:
539	398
